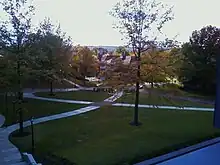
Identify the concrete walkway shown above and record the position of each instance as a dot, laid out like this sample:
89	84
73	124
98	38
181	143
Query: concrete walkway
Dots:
29	90
72	83
10	155
163	107
32	96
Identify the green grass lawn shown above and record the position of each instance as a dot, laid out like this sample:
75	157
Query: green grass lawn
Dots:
199	96
159	100
179	92
78	95
104	137
45	84
35	108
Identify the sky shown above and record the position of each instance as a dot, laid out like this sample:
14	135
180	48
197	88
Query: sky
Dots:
88	21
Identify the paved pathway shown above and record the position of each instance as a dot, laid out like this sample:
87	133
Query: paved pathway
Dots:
31	95
72	83
30	90
10	155
163	107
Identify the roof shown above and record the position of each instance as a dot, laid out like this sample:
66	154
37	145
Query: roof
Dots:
108	59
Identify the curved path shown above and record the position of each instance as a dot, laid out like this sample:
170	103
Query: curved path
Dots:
10	155
32	96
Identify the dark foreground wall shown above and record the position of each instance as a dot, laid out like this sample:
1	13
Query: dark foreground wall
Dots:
217	100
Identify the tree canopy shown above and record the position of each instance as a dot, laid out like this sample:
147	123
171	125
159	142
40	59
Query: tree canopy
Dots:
122	50
140	21
86	61
199	59
156	66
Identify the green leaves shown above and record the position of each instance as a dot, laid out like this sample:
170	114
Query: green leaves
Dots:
13	37
138	20
7	73
122	49
156	66
85	61
51	50
199	59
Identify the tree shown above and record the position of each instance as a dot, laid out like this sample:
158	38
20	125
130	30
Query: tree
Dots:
175	60
86	61
198	69
156	66
51	53
118	74
7	77
122	49
137	21
13	35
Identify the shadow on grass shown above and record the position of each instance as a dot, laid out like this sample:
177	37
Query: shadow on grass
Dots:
18	134
171	149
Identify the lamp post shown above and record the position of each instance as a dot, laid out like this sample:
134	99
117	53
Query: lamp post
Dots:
32	135
14	110
6	104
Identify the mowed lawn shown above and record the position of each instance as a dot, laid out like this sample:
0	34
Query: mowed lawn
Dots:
77	95
154	99
104	137
34	108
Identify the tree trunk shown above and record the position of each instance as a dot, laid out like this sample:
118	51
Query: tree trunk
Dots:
217	100
136	122
20	101
20	93
51	88
152	84
14	111
6	104
21	130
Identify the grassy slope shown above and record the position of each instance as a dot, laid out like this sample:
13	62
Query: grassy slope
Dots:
78	95
35	108
180	92
156	99
127	98
105	137
45	84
